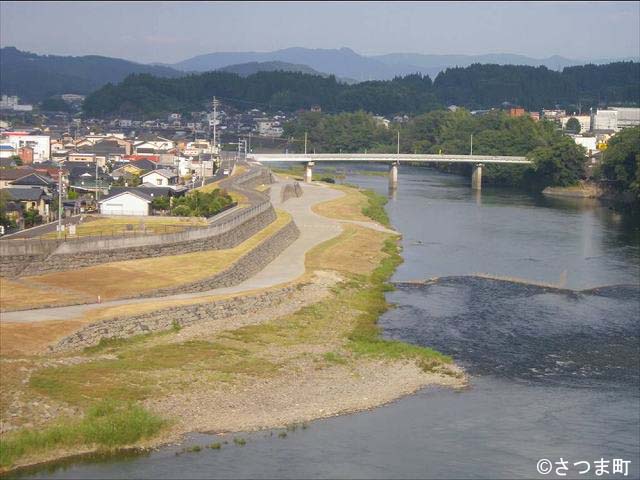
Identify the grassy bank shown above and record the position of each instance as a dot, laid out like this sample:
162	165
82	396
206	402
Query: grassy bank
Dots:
106	425
375	208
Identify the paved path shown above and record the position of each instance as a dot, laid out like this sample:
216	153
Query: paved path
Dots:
289	265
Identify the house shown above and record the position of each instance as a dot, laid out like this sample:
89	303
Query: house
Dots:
8	175
7	150
82	157
35	180
144	165
105	151
82	178
161	178
31	198
160	145
135	158
128	202
127	171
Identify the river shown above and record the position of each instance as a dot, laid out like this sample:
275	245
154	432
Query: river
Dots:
554	372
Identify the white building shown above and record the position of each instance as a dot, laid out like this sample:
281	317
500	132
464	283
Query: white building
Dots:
160	178
589	143
269	129
39	143
627	117
7	102
126	203
605	120
585	122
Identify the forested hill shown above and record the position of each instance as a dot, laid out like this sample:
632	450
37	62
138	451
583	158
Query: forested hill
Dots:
476	86
36	77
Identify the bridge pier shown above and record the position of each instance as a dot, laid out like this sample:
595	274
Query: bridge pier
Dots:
308	172
476	177
393	175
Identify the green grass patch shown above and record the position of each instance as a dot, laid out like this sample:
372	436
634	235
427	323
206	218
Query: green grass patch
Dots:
375	210
107	425
139	372
365	338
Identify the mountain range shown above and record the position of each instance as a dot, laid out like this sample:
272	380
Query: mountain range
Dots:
346	63
36	77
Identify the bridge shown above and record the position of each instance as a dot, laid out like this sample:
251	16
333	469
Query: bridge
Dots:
393	159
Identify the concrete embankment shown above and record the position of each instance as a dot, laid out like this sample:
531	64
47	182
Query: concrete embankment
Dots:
26	257
582	190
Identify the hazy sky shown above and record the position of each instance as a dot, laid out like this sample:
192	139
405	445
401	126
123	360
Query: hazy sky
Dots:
169	32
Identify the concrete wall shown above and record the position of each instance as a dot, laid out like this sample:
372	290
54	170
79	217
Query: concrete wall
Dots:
159	320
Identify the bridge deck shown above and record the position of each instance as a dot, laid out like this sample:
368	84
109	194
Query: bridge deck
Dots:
386	157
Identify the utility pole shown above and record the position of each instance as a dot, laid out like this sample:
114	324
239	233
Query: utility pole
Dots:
97	189
472	144
59	199
215	116
398	149
305	143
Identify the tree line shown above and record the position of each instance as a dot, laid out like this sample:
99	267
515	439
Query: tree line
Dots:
477	86
557	160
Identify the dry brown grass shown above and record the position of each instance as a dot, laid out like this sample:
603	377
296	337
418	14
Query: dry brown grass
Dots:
142	275
347	207
356	250
18	339
24	293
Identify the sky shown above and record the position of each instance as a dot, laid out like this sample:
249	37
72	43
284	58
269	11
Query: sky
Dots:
168	32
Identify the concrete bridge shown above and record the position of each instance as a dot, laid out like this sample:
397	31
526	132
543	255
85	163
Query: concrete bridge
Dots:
393	159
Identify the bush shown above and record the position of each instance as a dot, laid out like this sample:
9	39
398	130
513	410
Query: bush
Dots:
182	211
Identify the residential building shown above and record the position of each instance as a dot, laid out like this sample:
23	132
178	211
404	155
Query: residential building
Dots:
130	202
516	112
31	198
161	178
8	175
7	150
41	144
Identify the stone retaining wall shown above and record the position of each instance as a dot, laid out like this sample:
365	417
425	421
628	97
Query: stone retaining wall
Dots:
165	319
72	261
246	266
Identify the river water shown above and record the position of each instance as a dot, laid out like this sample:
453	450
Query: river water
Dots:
554	373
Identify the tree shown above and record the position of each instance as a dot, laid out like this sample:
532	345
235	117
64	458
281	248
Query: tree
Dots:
621	161
32	218
572	126
53	104
4	219
160	203
561	164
